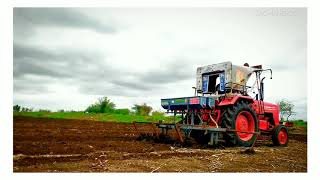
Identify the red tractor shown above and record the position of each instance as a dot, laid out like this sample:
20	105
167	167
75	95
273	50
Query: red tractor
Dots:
223	111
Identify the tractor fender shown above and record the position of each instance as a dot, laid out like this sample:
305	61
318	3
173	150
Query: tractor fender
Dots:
233	100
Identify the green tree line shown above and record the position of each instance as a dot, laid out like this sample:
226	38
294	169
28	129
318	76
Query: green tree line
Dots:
103	105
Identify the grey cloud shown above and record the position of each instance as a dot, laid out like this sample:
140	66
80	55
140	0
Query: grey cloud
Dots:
20	51
80	67
87	71
135	84
63	64
155	78
28	88
178	71
116	84
32	85
26	66
25	20
106	88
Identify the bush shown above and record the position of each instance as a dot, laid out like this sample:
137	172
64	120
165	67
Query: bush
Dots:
24	109
103	105
122	111
44	110
94	108
143	110
16	108
158	113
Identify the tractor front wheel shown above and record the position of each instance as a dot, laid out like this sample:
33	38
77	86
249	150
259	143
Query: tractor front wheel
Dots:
280	136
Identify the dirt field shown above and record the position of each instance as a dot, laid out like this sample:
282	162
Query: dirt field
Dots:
44	145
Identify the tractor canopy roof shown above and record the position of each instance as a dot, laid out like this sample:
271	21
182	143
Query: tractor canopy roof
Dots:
235	76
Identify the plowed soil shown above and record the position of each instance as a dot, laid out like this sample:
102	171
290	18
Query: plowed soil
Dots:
47	145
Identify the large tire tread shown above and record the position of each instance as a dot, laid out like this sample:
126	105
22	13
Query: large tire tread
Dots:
228	121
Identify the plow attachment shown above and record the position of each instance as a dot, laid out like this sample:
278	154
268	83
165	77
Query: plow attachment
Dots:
150	131
185	131
181	133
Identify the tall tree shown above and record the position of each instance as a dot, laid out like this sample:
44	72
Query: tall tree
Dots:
286	108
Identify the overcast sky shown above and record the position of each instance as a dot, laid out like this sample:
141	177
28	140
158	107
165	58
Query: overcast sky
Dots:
65	58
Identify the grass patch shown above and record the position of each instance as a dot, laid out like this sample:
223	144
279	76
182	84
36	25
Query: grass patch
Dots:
105	117
300	123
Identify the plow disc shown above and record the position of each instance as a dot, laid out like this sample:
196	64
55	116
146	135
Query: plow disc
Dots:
150	132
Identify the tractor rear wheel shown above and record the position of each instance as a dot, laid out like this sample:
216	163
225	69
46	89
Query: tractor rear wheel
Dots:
280	136
243	119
